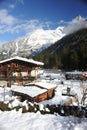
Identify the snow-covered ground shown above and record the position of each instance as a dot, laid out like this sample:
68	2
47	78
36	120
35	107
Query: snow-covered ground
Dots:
16	120
35	121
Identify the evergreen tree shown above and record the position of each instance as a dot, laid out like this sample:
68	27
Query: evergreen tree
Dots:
74	60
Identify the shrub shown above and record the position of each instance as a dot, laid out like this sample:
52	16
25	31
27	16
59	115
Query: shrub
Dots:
4	106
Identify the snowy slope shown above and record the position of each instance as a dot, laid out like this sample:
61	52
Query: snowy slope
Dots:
34	43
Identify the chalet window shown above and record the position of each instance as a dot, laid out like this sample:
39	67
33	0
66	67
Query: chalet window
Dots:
8	65
16	65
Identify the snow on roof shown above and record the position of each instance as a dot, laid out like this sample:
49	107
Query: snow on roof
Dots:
31	91
45	85
75	72
22	59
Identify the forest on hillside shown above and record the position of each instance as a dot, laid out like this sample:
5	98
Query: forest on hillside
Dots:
70	53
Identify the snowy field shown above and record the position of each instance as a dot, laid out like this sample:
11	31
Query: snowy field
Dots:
16	120
35	121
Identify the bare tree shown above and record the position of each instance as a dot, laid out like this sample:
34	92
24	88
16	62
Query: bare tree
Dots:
83	87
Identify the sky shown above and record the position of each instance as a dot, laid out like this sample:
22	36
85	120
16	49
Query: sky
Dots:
21	17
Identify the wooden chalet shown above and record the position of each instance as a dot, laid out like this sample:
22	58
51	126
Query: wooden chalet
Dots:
18	70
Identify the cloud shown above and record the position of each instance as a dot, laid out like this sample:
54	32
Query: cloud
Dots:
63	22
20	1
15	3
6	18
7	21
12	25
12	6
35	24
28	26
76	24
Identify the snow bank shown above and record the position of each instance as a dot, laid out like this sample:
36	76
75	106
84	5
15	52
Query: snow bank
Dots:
29	121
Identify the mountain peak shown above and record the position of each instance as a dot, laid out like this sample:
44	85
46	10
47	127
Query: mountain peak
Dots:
76	24
78	19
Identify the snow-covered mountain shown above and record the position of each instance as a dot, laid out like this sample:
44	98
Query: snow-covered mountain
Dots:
41	39
34	43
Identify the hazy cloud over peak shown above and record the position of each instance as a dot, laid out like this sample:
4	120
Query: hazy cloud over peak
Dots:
76	24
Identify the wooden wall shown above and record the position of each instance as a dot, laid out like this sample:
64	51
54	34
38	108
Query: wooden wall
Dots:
44	96
8	69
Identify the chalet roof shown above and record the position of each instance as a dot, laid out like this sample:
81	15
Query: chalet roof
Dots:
43	85
22	59
31	91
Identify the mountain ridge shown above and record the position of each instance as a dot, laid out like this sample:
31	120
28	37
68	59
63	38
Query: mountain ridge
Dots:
36	42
